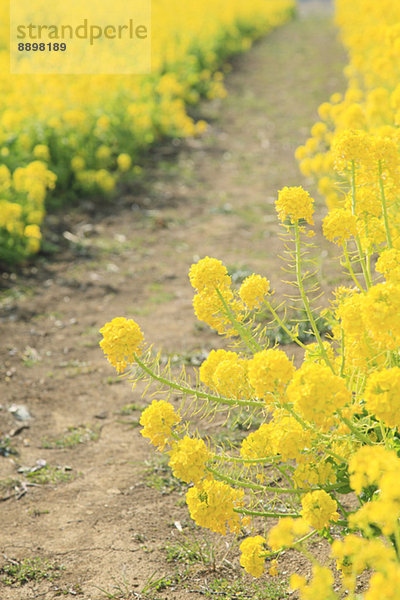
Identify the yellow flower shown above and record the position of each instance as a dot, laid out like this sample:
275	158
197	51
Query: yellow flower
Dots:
253	291
251	557
273	569
9	212
105	180
41	152
309	474
33	231
286	533
282	436
258	443
319	509
211	504
320	586
230	378
382	396
368	464
352	146
188	458
297	582
295	203
339	225
78	163
316	393
210	308
380	311
208	367
355	554
269	371
385	584
388	263
158	419
122	339
124	162
208	274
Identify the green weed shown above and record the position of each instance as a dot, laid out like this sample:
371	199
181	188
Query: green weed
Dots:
72	437
239	589
15	572
158	475
50	474
191	551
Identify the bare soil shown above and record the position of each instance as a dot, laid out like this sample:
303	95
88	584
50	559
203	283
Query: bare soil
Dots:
212	196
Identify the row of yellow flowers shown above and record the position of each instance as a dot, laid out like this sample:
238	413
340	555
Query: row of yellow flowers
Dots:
77	134
323	457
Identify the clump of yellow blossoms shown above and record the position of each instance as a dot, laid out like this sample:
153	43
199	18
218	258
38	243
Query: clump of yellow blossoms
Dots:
251	557
209	274
319	509
340	225
296	204
269	372
188	458
212	505
253	291
286	533
317	393
158	421
382	396
122	339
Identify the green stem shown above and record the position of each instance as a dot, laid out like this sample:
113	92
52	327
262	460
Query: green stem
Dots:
343	355
384	208
248	460
350	268
344	511
284	327
256	513
305	300
357	238
334	455
397	538
384	436
284	475
242	331
363	438
297	417
193	392
296	543
255	486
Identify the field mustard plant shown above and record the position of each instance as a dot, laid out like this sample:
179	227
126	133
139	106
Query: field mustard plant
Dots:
330	427
320	431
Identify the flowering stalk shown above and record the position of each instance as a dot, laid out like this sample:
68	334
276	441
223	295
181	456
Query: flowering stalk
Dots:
284	326
367	276
193	392
363	438
243	332
305	299
273	515
384	207
350	267
255	486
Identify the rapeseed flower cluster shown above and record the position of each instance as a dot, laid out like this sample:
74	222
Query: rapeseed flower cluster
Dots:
212	505
251	557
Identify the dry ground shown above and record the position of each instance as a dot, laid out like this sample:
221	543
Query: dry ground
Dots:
214	196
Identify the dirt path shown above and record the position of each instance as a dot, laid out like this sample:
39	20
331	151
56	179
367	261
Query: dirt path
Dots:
216	198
